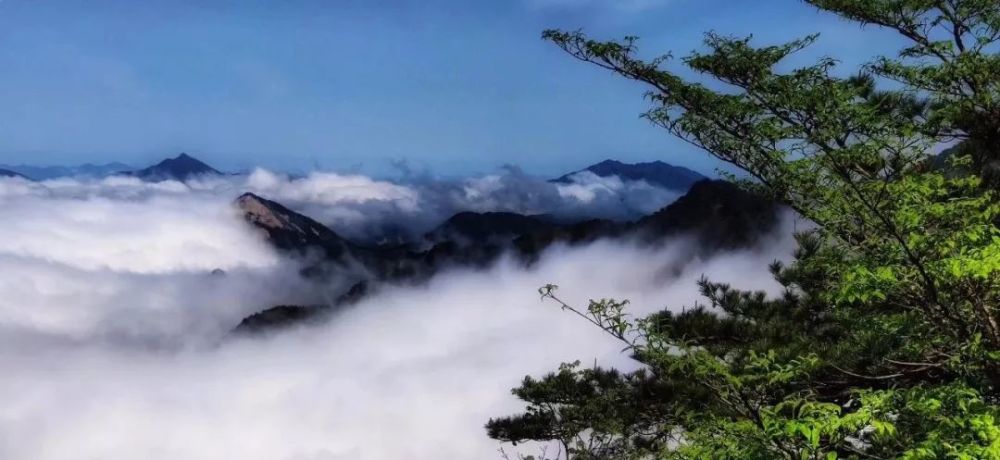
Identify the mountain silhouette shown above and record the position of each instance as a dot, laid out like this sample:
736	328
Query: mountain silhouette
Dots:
720	214
181	168
655	173
55	172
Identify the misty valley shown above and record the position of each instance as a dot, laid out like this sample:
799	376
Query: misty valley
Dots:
186	292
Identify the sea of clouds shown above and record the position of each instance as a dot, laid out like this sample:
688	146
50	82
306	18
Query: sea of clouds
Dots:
369	210
114	329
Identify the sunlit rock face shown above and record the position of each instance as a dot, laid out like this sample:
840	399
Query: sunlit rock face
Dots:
289	230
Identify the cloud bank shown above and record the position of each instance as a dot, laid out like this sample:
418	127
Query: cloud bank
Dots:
113	328
369	210
376	211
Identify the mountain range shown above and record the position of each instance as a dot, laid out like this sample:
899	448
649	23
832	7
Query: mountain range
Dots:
55	172
185	167
716	215
181	168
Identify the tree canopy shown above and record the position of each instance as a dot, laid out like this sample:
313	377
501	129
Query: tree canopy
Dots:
885	342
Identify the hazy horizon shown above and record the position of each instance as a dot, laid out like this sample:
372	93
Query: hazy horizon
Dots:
392	168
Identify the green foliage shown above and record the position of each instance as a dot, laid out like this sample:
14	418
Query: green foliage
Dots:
885	342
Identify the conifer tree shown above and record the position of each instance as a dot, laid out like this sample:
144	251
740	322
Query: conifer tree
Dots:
885	342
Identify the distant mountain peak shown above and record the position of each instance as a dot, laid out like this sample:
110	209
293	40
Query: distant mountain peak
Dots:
187	163
182	168
656	173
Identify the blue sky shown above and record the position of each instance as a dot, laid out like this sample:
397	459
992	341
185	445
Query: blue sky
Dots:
454	87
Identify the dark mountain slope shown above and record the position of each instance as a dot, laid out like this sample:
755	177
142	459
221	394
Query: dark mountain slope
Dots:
281	316
656	173
487	227
721	214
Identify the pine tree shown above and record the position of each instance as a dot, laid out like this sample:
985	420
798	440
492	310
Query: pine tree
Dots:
886	340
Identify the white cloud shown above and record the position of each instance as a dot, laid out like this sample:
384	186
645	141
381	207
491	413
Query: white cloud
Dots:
357	207
365	209
120	259
411	373
145	236
332	189
590	189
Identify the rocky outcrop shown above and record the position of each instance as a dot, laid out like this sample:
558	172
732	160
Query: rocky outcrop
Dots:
291	231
